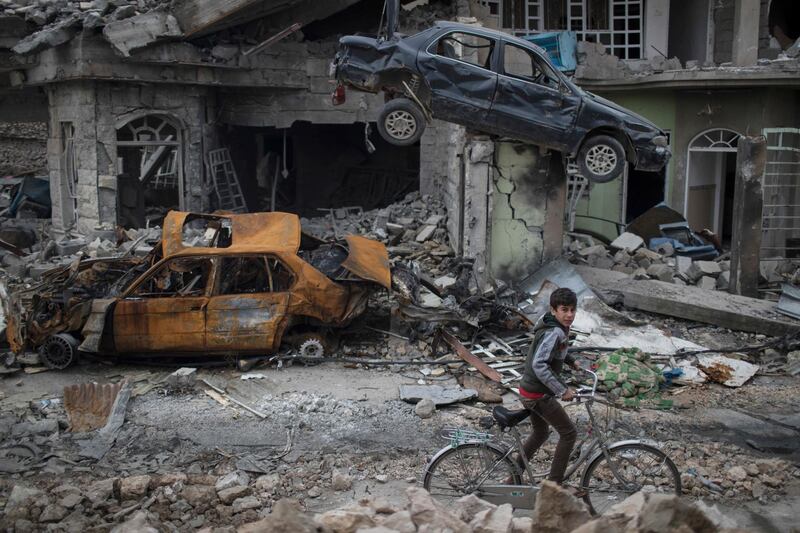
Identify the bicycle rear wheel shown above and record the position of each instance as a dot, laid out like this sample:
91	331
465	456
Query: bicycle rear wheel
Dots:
458	471
627	469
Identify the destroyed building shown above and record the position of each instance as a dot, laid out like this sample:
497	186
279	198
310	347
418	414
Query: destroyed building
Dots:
151	106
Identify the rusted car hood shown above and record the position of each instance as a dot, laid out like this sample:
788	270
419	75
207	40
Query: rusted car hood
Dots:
368	260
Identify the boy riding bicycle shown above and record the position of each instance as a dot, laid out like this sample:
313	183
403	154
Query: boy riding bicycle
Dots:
540	388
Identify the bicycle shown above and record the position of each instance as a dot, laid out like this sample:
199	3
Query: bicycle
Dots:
481	464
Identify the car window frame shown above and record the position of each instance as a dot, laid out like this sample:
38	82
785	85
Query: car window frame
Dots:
502	67
493	58
268	255
129	292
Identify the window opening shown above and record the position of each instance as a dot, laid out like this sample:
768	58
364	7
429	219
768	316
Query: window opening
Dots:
177	277
206	231
524	64
466	47
253	275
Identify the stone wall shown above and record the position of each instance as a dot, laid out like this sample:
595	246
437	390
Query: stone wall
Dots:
23	148
96	110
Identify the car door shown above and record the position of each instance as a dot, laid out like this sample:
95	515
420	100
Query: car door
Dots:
531	103
248	309
458	68
166	310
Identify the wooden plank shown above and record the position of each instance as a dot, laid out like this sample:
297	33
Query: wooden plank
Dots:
471	358
719	308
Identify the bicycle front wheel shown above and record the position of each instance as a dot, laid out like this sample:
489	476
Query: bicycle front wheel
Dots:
627	469
462	470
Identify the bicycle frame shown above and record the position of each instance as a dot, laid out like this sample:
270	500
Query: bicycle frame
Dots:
524	496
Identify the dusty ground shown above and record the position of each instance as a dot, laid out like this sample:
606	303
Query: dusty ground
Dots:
349	420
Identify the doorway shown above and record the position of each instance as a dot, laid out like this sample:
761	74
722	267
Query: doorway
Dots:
711	174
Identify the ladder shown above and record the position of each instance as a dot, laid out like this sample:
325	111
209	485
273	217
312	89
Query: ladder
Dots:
226	184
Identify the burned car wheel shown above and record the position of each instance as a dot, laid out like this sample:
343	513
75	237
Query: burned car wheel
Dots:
401	122
58	351
601	158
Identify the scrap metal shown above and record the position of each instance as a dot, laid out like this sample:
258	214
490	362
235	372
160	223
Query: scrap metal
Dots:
88	405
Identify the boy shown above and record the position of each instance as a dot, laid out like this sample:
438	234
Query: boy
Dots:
540	388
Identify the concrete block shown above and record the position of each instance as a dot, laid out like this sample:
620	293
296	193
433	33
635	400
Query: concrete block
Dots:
649	254
425	233
661	272
724	280
597	249
622	258
629	242
183	378
703	268
682	264
666	249
707	282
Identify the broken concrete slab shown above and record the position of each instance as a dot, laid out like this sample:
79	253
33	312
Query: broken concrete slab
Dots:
141	31
183	378
425	233
726	370
436	393
44	39
630	242
711	307
699	269
707	282
597	249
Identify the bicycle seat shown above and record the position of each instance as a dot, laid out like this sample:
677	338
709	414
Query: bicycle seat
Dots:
506	418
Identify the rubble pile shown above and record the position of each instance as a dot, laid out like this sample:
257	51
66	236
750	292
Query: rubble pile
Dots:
57	21
628	255
413	229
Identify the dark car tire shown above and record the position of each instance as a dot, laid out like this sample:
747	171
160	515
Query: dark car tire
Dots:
601	158
401	122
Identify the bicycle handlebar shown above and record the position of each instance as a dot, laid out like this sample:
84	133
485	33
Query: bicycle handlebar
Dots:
580	393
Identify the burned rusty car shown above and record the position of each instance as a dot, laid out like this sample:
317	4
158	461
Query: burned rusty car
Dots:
216	284
496	83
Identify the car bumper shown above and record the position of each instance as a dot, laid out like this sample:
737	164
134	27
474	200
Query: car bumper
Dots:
652	158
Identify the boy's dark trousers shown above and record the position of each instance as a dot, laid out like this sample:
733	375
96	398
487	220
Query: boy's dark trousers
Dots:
546	412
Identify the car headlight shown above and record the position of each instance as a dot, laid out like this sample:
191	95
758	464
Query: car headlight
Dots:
660	140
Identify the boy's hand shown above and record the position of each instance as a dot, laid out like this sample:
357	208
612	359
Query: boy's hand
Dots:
568	395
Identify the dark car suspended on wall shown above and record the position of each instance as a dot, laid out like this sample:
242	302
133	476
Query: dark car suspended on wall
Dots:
496	83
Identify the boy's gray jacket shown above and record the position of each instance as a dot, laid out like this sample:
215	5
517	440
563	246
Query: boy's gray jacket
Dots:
546	358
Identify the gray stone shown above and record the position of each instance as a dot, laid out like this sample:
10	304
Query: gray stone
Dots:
493	520
557	511
724	280
234	479
649	254
629	242
622	258
703	268
39	427
401	522
468	506
737	473
425	233
644	262
20	500
199	495
640	273
432	515
124	12
70	500
597	249
46	38
436	393
286	517
707	282
134	487
425	408
314	492
341	481
243	504
350	519
268	482
227	496
661	272
137	523
52	513
100	491
183	378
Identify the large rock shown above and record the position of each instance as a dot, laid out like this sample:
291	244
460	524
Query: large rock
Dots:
286	517
425	408
234	479
141	30
100	491
630	242
348	520
52	513
134	487
138	523
468	506
699	269
521	524
227	496
20	500
493	520
182	379
558	511
199	495
427	512
436	393
400	522
665	513
245	503
341	481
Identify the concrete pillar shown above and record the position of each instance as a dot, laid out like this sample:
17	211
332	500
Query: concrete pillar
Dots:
656	28
751	160
746	24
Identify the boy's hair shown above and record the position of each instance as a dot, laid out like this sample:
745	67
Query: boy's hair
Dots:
563	296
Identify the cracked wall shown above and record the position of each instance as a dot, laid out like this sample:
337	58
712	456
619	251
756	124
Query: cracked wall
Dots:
528	189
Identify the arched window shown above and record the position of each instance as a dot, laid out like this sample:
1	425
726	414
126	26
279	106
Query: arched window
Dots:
710	175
